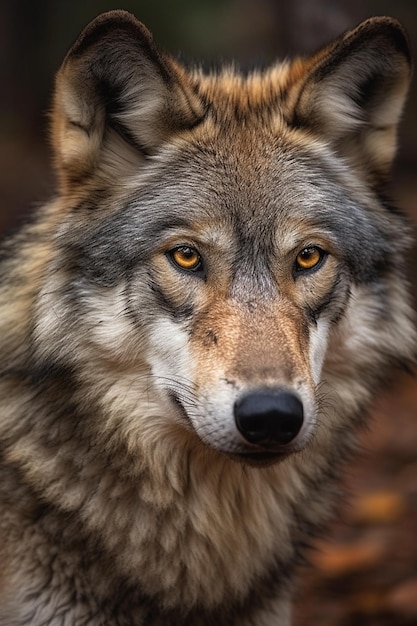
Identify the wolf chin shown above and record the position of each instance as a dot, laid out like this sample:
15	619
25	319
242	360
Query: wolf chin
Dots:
193	329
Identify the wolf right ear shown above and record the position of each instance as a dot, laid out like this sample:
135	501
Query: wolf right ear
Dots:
114	83
352	92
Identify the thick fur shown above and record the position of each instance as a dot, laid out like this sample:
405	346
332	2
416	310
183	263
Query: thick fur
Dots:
128	495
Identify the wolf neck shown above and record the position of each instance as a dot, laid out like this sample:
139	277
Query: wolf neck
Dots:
222	528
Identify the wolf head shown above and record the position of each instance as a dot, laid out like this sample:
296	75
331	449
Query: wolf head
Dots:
224	245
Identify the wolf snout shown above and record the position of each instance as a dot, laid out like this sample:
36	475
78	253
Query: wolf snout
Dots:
268	417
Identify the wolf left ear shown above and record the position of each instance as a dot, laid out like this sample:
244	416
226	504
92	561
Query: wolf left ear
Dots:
353	93
117	97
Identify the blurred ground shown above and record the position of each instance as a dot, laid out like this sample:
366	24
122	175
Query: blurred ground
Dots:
365	570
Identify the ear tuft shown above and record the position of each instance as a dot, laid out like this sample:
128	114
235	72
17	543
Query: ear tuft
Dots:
115	80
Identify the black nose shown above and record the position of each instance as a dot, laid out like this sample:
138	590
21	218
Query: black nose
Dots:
267	417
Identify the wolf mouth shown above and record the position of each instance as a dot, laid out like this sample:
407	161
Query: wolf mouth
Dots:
255	458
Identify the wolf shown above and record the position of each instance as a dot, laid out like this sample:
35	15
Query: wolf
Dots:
194	327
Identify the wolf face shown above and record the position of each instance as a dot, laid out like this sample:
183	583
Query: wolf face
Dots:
234	219
246	323
193	328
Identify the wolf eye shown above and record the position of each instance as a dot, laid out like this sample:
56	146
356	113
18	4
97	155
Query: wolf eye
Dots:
309	258
186	258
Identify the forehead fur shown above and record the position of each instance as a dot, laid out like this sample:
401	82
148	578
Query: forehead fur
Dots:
235	95
265	191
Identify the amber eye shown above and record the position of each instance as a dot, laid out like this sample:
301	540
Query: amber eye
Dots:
309	258
186	258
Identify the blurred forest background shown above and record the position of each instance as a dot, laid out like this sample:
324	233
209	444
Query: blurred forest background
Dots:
365	571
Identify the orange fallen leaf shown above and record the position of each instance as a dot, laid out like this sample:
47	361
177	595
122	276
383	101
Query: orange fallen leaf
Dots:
381	507
348	558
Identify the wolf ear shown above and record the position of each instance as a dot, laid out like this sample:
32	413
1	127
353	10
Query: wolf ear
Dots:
354	91
117	97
